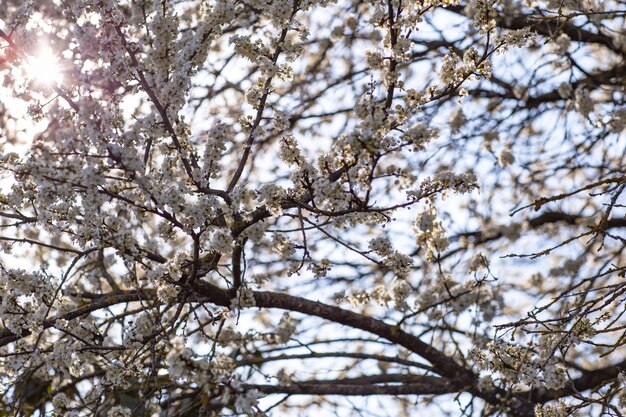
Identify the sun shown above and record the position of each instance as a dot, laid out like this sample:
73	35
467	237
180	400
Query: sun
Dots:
44	68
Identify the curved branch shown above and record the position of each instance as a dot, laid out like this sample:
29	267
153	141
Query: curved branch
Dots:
548	27
353	355
423	385
108	300
543	219
589	380
442	364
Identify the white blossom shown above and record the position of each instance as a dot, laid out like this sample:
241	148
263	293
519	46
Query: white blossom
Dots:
583	103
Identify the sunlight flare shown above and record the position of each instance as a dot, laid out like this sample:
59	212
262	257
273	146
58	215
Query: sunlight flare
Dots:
44	67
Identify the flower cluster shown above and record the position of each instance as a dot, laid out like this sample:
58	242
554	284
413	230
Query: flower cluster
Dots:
396	261
430	233
197	152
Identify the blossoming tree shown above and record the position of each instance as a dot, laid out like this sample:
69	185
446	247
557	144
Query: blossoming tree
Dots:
312	207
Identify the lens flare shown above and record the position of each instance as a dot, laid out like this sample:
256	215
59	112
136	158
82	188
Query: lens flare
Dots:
44	68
